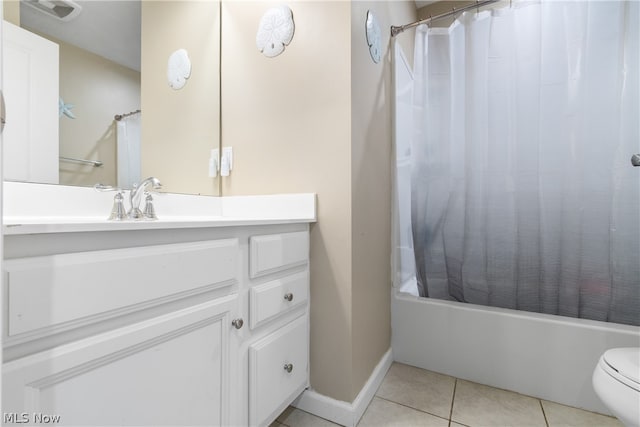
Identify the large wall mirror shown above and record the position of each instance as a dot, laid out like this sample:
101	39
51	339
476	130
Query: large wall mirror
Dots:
113	58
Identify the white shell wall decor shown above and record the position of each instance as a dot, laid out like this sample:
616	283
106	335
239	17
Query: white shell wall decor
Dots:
178	69
275	31
373	36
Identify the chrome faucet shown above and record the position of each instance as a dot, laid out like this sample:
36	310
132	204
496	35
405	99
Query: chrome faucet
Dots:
136	195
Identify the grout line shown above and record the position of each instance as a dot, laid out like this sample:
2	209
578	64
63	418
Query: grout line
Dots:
543	413
453	398
411	407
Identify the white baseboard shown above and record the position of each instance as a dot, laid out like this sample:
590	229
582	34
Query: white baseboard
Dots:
338	411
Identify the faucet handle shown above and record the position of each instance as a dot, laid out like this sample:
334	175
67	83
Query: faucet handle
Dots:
118	212
149	212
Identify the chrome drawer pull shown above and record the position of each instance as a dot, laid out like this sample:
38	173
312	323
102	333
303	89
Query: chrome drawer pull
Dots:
288	367
237	323
288	296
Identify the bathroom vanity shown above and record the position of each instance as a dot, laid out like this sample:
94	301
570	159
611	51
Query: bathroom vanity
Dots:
189	320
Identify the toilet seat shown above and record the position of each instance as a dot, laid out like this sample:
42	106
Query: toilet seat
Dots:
623	364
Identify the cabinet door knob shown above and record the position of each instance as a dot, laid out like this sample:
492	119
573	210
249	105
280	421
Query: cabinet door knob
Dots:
288	367
237	323
288	296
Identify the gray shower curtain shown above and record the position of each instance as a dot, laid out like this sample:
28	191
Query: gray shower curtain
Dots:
523	195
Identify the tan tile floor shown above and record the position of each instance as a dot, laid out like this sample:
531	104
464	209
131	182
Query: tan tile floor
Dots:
414	397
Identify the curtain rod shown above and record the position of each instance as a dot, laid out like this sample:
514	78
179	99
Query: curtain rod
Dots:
122	116
395	30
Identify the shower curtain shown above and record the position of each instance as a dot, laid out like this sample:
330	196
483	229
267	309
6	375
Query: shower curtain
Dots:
522	192
128	148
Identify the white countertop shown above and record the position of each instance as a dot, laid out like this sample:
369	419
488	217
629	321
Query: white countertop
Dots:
41	208
14	226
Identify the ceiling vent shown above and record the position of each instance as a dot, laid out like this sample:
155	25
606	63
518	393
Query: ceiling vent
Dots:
63	10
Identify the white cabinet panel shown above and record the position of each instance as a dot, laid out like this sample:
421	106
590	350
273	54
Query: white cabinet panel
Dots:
276	252
170	370
30	75
49	290
278	371
276	297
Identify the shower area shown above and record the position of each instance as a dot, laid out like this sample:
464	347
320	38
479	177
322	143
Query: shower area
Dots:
517	203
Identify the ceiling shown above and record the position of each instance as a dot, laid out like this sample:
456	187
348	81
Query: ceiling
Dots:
110	28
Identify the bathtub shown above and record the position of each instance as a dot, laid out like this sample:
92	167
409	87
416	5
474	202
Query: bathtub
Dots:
549	357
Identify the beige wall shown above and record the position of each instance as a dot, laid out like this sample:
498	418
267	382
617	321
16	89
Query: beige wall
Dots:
11	11
317	119
442	7
371	144
288	121
180	127
99	89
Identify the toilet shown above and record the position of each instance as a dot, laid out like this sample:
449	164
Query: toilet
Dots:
616	380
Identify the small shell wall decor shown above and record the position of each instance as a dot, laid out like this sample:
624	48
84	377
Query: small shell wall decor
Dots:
178	69
373	36
275	31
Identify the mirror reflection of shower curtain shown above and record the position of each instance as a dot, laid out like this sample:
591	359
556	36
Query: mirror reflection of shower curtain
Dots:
523	195
128	148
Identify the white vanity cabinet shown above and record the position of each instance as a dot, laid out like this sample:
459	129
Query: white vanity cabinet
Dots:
204	326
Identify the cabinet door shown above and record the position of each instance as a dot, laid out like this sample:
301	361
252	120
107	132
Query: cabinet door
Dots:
170	370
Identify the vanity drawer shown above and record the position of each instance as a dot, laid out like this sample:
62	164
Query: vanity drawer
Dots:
81	288
278	371
276	252
270	299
